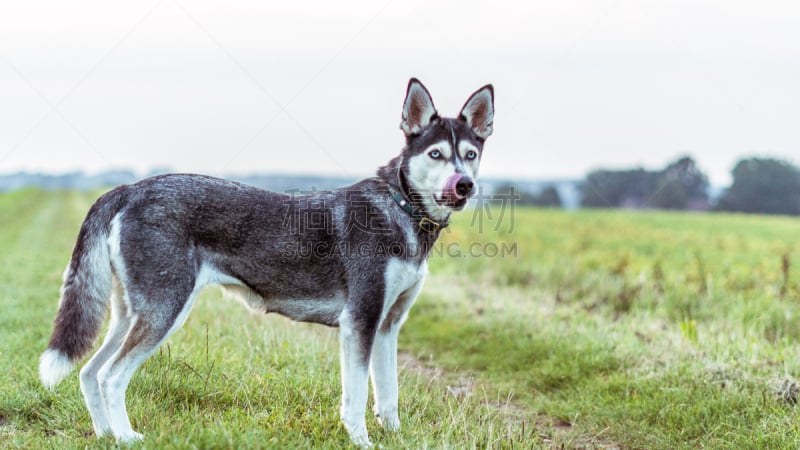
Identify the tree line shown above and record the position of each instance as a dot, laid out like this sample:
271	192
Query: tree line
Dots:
760	185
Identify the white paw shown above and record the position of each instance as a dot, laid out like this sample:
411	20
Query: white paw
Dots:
361	440
390	421
358	433
129	437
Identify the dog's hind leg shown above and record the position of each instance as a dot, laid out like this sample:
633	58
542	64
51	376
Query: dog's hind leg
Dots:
157	317
116	373
90	386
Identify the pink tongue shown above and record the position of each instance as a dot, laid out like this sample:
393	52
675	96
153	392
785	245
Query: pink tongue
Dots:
450	188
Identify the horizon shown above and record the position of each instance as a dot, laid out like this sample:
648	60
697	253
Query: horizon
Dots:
140	174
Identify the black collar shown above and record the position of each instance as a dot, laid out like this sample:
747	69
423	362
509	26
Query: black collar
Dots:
424	223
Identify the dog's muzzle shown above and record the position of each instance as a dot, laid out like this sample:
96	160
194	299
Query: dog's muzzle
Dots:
458	187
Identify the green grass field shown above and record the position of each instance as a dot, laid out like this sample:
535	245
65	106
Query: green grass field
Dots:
597	329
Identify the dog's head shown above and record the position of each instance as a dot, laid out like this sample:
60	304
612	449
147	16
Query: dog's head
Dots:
442	156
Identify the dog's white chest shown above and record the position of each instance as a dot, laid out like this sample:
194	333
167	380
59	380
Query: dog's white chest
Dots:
402	280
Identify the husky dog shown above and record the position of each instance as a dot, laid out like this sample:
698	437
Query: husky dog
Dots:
353	258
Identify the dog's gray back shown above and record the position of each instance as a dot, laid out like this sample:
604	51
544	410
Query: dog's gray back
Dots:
307	249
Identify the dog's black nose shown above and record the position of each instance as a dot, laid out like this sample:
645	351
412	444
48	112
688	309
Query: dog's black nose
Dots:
464	186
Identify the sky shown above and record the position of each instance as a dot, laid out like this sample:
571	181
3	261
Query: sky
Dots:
241	87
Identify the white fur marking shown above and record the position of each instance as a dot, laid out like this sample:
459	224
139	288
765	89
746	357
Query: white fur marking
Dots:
399	276
471	166
300	309
117	262
443	146
54	366
428	177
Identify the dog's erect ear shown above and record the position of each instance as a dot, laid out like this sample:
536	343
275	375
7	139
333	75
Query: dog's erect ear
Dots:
478	112
418	109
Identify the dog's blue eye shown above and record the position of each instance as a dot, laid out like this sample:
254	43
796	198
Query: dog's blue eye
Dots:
436	154
471	154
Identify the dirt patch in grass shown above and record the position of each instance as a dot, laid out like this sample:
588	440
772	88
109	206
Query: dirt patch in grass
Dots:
6	427
551	432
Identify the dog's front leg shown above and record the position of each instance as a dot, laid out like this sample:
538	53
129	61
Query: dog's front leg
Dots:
383	365
383	369
355	341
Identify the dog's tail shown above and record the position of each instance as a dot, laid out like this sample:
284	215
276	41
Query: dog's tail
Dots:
85	293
